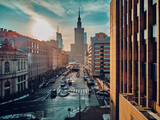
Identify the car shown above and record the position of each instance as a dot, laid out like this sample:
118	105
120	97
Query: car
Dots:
91	83
54	93
63	93
62	85
46	84
102	93
53	80
84	78
69	82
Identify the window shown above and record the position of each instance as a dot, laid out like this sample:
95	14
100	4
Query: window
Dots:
7	67
131	15
137	9
127	18
21	65
154	2
24	85
19	89
19	78
7	84
137	38
24	65
145	5
154	34
122	2
145	36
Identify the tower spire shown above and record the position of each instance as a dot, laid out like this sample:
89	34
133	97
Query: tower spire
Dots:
79	20
79	12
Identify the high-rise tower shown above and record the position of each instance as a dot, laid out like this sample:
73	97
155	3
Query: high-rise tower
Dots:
79	48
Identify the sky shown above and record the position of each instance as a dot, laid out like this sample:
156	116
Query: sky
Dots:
35	18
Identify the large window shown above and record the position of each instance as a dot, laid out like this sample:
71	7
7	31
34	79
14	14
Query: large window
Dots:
154	2
145	5
24	65
154	34
7	67
145	36
137	9
131	14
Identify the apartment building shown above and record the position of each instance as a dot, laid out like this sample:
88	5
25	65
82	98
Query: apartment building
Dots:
135	68
99	56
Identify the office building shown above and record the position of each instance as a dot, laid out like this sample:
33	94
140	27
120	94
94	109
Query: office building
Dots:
135	52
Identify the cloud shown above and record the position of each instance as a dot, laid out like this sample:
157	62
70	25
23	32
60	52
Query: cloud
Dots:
95	15
52	6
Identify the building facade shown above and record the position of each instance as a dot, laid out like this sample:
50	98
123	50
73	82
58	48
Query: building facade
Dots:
13	70
99	56
135	52
79	48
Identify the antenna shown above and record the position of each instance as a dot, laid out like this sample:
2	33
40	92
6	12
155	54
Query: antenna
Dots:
57	28
79	11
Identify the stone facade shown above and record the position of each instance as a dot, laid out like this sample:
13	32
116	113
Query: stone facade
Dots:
79	48
13	70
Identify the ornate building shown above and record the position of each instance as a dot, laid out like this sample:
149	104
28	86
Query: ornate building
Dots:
79	48
13	70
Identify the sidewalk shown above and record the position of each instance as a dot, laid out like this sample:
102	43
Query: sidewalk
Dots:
92	113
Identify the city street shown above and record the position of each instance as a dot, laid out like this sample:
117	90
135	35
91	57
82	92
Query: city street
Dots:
43	106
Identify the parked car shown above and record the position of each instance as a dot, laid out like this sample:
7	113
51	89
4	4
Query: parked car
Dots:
69	82
91	83
63	93
62	85
46	84
84	78
102	93
54	93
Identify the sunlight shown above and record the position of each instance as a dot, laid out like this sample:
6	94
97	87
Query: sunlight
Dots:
42	30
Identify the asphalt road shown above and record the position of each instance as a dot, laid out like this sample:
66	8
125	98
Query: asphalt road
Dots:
45	107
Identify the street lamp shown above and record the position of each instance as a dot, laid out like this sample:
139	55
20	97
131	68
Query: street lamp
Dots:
79	104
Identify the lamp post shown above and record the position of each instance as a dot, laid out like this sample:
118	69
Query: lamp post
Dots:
79	104
79	107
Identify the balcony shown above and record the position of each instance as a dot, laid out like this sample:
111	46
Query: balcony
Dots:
135	110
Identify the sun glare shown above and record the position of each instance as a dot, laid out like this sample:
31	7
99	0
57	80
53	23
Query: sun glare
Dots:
42	30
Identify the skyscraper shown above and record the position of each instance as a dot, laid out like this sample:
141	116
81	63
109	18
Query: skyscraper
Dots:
79	48
59	39
135	68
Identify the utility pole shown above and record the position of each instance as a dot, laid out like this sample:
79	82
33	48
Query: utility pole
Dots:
79	107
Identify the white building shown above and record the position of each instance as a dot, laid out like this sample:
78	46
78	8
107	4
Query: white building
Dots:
13	70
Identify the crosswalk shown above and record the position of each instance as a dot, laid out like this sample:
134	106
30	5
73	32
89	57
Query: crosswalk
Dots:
80	91
43	91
